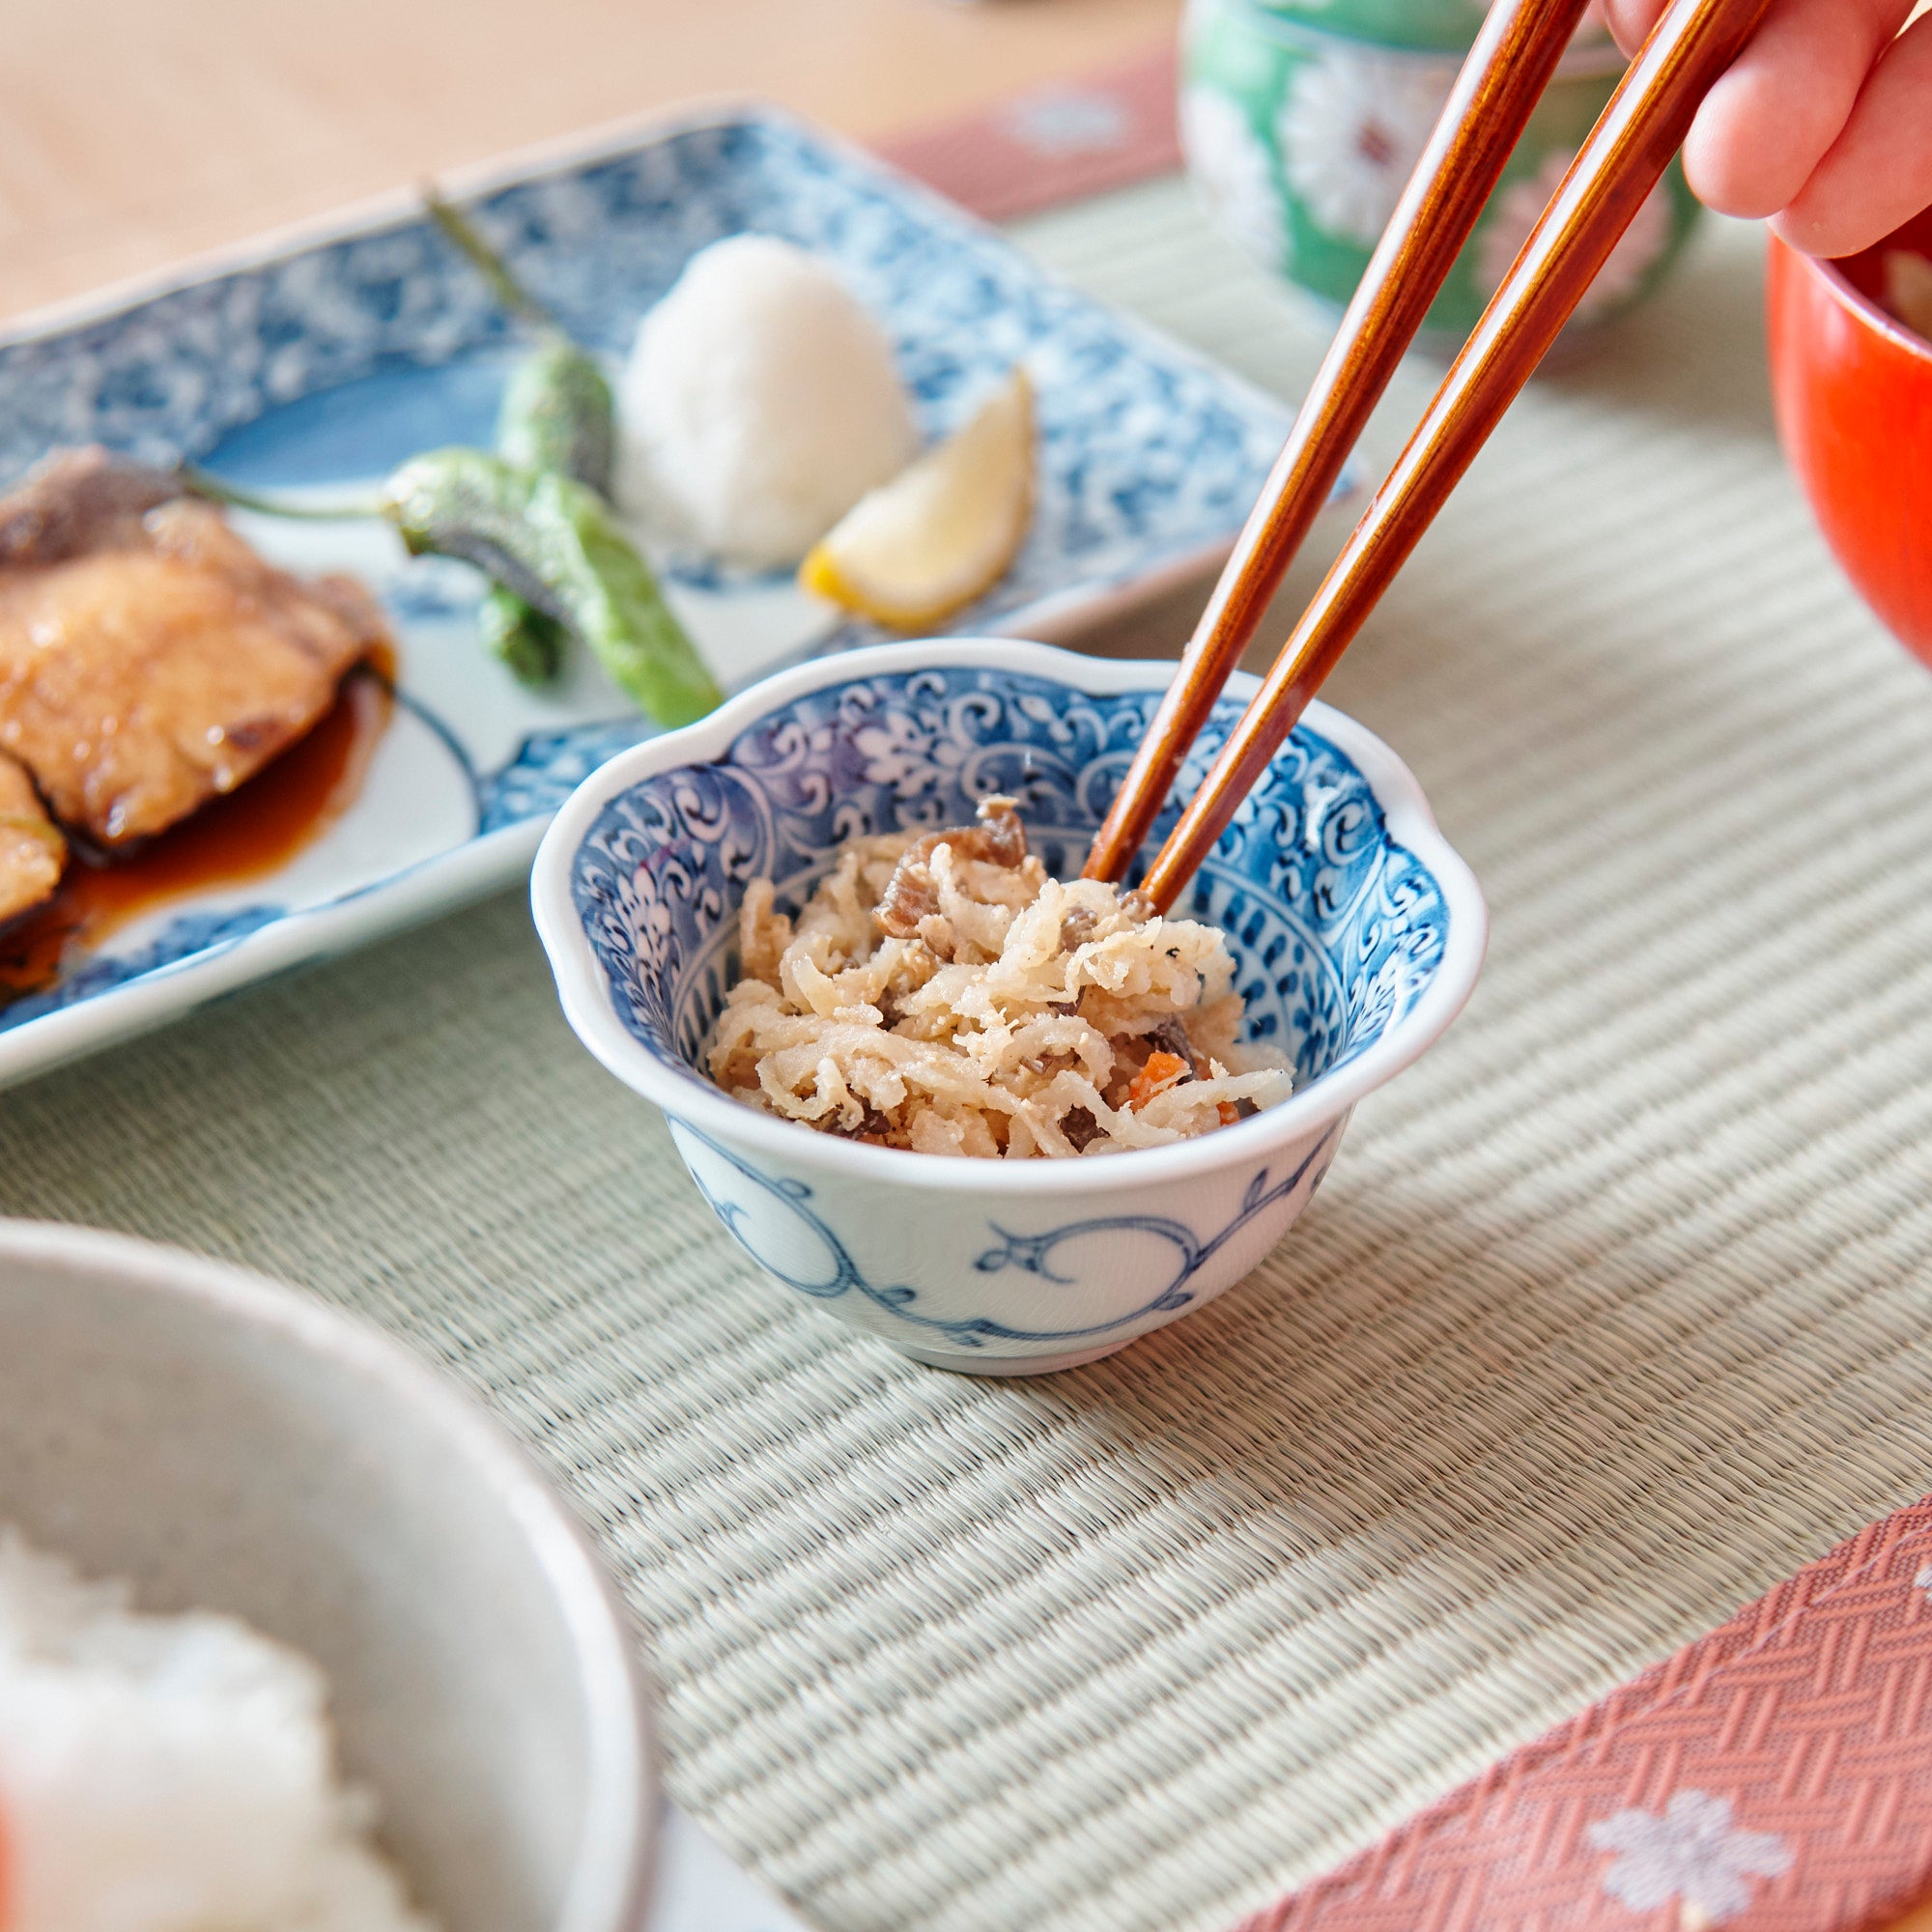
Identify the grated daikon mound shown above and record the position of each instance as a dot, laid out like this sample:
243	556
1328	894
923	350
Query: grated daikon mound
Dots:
761	403
988	1010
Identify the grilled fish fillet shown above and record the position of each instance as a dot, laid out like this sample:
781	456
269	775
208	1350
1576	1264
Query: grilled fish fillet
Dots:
32	852
149	658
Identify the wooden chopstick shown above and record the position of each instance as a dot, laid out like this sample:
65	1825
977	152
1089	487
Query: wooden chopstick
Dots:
1500	83
1620	163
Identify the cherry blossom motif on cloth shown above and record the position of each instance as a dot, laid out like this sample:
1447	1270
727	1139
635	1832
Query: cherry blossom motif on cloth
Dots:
1773	1776
1692	1854
1053	144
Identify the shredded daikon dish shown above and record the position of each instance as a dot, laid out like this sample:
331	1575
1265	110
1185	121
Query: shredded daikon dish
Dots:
940	992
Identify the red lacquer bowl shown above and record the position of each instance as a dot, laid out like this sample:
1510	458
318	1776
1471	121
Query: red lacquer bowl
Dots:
1853	390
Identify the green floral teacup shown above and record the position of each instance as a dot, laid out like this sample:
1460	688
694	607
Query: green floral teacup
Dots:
1302	137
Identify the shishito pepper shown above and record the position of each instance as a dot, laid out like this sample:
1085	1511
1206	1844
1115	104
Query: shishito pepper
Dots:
555	543
534	519
531	645
558	414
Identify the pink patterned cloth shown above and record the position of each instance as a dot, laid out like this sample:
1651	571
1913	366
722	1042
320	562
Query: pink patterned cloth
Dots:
1773	1776
1053	144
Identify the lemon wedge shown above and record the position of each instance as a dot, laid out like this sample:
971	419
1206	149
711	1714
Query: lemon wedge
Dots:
944	529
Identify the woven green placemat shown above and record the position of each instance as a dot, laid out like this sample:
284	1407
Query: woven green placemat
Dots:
1612	1312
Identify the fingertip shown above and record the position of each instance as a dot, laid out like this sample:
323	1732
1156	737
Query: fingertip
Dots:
1629	21
1736	159
1879	172
1775	115
1826	232
1828	221
1799	232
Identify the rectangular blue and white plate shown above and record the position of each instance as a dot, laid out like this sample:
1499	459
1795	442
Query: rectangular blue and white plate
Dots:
320	359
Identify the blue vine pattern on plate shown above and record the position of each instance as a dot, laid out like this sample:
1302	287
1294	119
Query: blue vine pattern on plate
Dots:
182	938
1147	451
1147	454
1335	929
1027	1252
549	766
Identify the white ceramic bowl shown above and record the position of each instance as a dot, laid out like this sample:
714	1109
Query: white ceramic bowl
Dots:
224	1442
1357	931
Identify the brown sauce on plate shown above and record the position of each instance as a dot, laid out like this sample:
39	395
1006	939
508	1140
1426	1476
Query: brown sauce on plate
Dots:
252	832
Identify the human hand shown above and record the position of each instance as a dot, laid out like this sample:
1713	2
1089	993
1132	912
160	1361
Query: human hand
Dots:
1823	123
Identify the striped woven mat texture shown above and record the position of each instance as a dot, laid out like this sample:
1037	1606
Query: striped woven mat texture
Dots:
1771	1777
1612	1314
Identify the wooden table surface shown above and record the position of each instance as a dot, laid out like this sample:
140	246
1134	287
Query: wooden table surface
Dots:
133	135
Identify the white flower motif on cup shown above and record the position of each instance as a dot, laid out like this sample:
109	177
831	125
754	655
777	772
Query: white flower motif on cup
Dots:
1231	169
1352	127
1691	1852
1515	212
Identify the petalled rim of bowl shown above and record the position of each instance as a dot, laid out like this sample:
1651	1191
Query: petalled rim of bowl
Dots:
622	1784
690	1098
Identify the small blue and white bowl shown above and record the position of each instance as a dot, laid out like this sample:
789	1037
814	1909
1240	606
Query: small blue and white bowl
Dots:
1357	931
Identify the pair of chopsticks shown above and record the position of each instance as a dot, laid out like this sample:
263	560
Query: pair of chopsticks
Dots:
1618	166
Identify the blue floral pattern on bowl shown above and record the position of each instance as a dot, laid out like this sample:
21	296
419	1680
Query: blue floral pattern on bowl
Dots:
1335	929
1356	934
739	1192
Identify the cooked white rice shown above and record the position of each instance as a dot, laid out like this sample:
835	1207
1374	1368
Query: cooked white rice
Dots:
169	1774
944	994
